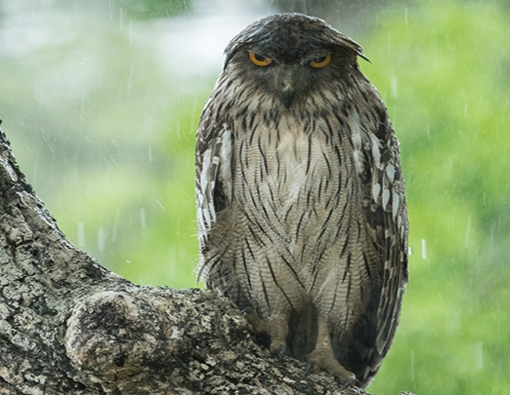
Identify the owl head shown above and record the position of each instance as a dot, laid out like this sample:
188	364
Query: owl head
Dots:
291	55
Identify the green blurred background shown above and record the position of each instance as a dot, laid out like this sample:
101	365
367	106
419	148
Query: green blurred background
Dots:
101	101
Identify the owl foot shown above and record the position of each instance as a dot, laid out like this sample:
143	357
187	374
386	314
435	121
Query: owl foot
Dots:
277	329
323	358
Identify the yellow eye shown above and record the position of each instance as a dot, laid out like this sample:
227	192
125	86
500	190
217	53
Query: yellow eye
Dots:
260	60
321	62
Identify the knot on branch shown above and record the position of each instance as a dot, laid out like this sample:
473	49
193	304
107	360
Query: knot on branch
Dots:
124	340
114	334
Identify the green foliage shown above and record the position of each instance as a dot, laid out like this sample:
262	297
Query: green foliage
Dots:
442	69
111	152
129	10
149	9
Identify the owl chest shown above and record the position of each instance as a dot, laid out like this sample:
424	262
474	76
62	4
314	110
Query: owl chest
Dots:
289	173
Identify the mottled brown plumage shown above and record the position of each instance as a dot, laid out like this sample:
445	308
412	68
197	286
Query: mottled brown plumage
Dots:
300	198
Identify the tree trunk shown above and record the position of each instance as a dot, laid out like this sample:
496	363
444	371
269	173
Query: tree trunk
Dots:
69	326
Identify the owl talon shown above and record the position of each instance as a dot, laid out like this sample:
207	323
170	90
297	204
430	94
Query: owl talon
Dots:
283	350
350	381
275	327
309	367
246	310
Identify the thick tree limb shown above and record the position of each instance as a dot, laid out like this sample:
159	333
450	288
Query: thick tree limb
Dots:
69	326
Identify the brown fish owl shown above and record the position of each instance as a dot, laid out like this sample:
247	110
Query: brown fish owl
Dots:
300	198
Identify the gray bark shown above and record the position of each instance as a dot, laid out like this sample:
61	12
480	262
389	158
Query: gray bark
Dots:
69	326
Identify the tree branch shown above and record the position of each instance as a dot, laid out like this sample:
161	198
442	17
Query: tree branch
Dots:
68	325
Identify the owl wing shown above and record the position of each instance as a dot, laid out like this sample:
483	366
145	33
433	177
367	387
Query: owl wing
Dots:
213	177
384	207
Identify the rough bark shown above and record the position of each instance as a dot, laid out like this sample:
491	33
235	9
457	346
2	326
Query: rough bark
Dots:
69	326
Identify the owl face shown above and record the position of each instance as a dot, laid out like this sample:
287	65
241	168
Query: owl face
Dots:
289	56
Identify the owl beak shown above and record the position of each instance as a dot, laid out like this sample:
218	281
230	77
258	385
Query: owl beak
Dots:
288	94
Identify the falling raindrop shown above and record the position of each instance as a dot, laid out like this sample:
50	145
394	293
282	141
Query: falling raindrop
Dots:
479	355
82	106
160	205
394	86
122	13
81	235
101	236
453	322
129	84
142	218
424	249
130	32
116	225
412	365
468	231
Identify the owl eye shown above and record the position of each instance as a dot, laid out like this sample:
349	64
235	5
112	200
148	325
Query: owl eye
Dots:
321	61
260	60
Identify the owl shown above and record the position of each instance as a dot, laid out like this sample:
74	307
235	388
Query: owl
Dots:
301	209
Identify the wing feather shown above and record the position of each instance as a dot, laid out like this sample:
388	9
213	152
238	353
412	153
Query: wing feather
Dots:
213	177
384	207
